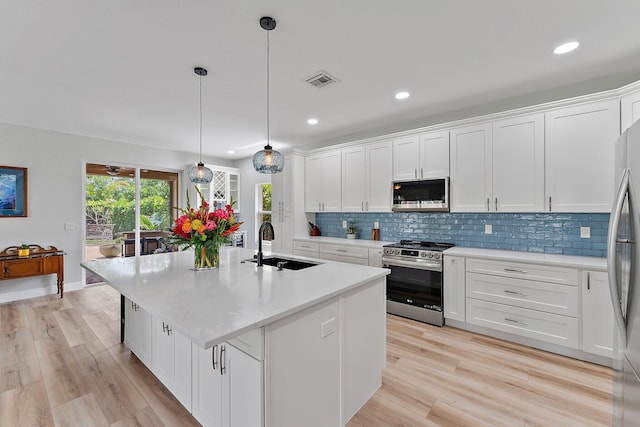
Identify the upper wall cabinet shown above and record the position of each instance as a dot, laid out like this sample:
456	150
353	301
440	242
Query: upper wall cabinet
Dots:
366	177
579	150
630	110
470	187
421	156
323	182
499	166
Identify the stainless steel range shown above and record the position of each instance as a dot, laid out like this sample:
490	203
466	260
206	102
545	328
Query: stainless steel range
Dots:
414	287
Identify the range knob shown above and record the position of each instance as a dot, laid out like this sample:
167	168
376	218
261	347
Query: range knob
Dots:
423	254
436	256
430	255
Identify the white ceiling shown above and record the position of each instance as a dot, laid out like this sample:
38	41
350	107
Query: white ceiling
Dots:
123	69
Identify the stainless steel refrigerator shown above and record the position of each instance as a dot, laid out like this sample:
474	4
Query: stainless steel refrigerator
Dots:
623	262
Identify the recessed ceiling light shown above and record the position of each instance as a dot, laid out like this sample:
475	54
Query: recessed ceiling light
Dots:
402	95
566	47
230	151
312	121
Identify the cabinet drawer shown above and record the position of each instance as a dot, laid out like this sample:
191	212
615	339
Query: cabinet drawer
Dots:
23	268
561	275
547	327
310	254
542	296
251	343
344	250
306	246
345	258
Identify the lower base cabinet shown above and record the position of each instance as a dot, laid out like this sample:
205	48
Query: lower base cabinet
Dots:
172	360
597	314
137	330
226	387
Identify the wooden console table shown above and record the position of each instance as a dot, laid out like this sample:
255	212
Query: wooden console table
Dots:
39	262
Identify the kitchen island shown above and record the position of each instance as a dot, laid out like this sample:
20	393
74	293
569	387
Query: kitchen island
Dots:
242	345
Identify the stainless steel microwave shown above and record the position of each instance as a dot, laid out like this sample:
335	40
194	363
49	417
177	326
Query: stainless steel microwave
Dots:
428	195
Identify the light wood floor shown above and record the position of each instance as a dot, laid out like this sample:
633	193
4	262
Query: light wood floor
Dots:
62	364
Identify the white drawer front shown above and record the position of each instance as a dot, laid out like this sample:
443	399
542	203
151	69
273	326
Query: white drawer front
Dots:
345	258
547	327
306	246
542	296
310	254
561	275
344	250
251	343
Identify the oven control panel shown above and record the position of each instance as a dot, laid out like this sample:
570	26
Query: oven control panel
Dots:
413	253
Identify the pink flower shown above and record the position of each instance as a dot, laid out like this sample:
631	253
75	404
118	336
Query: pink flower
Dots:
221	214
211	225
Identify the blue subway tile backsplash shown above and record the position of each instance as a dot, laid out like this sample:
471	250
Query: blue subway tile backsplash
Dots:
554	233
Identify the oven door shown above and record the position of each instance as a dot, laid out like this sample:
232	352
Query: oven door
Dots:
414	286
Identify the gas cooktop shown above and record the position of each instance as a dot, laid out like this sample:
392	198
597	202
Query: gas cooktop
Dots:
413	244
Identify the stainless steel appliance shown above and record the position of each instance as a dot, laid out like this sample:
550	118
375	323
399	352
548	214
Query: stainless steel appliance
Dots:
623	259
414	286
428	195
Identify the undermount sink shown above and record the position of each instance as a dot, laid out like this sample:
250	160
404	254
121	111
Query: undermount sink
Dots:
287	263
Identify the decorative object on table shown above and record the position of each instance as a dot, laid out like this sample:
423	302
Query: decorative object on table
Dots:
375	231
314	230
13	191
200	174
268	160
205	231
23	250
110	250
351	230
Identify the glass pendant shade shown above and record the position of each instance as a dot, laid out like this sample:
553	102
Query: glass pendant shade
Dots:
200	174
268	161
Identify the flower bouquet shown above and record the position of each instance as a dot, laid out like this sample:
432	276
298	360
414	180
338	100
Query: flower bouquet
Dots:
205	230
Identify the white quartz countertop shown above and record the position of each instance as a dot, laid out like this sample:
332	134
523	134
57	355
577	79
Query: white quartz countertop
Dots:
374	244
209	307
584	262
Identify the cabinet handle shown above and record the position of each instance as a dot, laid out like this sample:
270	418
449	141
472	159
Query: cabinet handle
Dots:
549	203
164	327
223	367
488	206
524	294
415	173
513	270
322	206
588	281
519	322
496	204
214	363
319	207
362	206
341	250
366	205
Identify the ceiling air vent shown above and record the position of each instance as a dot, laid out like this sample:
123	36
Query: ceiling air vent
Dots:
321	79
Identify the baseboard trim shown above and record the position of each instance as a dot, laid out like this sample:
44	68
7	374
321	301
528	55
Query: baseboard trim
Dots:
38	292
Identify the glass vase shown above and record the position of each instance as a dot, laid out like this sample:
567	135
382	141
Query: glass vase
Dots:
207	257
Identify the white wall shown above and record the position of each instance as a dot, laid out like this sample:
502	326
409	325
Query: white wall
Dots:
248	180
55	193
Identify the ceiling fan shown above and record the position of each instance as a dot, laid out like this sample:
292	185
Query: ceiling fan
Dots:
113	170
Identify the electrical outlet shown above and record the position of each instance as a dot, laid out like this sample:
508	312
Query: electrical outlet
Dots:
488	229
585	232
344	224
328	327
69	226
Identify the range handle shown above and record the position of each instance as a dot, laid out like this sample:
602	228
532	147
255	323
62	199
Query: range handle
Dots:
614	226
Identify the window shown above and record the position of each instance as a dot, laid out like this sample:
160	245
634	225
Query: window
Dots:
263	206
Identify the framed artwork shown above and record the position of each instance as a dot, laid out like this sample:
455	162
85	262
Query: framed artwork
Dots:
13	191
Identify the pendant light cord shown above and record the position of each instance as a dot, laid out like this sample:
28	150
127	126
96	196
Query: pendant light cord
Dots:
268	90
200	119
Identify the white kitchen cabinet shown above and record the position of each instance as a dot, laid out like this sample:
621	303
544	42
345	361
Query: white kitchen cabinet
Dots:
471	168
366	177
137	330
454	288
498	167
224	186
171	361
287	202
579	155
629	110
323	182
421	156
518	164
227	387
597	314
375	257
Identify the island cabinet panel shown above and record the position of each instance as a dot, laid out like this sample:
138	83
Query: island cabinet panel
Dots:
454	288
171	360
137	331
227	386
302	366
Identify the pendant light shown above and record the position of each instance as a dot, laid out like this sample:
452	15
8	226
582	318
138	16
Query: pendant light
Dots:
200	174
268	160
